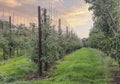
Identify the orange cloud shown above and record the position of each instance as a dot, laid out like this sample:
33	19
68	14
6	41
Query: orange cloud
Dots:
77	12
28	1
78	16
10	3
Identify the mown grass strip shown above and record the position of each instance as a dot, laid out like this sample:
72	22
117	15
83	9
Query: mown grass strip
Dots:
85	66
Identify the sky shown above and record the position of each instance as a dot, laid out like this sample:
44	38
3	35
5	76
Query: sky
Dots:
73	13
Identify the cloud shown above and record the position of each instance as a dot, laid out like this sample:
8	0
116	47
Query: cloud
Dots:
78	16
10	3
75	12
28	1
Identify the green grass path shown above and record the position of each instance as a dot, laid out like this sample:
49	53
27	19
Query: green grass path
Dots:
15	68
84	66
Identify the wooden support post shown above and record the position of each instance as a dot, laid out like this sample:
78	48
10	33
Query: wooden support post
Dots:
39	42
3	21
67	33
45	23
10	46
59	27
10	24
59	38
2	25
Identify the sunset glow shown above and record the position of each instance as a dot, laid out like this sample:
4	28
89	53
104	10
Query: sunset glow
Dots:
75	12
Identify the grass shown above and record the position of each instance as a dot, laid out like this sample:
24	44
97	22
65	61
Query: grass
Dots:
85	66
15	68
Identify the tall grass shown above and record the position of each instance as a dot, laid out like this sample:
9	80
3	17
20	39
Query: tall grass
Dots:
15	68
